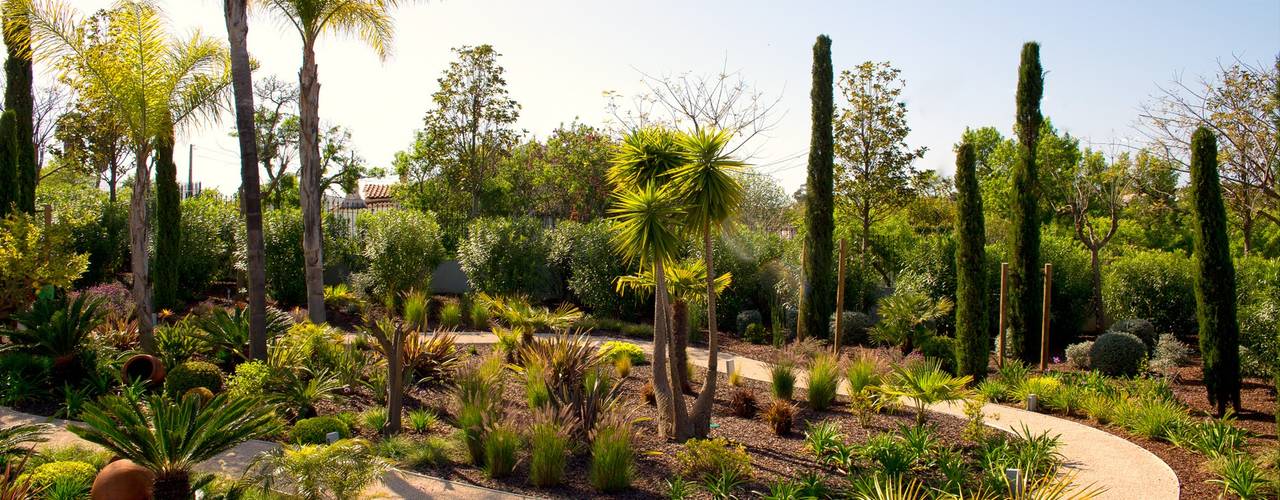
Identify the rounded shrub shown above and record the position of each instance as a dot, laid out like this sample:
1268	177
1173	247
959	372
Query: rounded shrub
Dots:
282	245
747	318
74	472
942	349
401	250
505	256
854	327
192	374
1141	328
583	257
1078	354
1117	353
1154	285
615	349
315	430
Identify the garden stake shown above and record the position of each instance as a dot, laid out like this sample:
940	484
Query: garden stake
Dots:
839	299
1004	277
1044	318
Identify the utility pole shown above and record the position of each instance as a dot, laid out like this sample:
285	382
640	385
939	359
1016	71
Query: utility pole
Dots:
191	152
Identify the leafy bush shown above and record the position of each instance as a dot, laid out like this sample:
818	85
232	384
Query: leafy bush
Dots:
753	258
1155	285
338	470
1170	353
703	457
1141	328
584	257
854	327
401	250
1078	354
942	349
95	227
282	245
32	258
315	430
1117	353
66	472
756	334
207	241
506	256
251	378
824	381
192	374
615	349
780	415
747	318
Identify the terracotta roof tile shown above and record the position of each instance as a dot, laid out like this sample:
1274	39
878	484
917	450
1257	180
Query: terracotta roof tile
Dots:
377	192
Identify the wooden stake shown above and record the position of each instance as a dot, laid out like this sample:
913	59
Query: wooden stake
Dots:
839	299
1044	318
804	289
48	215
1004	287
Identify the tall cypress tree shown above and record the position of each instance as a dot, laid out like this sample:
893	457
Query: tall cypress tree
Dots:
18	98
9	185
168	224
819	210
1024	277
1215	277
971	255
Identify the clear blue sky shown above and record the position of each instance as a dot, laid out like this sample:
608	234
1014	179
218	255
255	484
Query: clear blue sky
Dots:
959	59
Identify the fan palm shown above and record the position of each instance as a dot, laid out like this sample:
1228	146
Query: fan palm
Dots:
152	82
644	223
170	437
711	190
905	318
368	20
686	282
926	383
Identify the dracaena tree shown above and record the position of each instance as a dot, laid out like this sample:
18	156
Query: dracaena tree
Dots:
153	82
369	21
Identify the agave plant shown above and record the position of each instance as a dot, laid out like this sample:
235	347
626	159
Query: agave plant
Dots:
170	437
227	331
57	327
926	383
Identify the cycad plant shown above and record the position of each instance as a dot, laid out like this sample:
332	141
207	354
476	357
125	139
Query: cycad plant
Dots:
55	326
170	437
19	440
226	331
926	383
905	319
319	472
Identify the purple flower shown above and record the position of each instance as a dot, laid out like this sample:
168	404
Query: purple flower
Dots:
1057	359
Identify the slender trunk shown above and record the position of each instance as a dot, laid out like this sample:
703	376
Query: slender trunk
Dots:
862	256
111	186
395	384
671	408
1246	230
250	192
309	182
1099	311
680	338
139	257
701	418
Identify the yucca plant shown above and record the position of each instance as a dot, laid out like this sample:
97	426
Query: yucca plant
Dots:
926	383
170	437
824	381
431	359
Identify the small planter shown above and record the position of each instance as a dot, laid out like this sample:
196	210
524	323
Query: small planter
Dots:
143	367
122	480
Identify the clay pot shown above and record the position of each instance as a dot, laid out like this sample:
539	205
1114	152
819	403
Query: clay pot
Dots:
144	367
122	480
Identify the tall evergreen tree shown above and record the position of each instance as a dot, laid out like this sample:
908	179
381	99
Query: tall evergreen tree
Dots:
9	182
18	98
819	212
168	223
1215	277
971	284
1024	277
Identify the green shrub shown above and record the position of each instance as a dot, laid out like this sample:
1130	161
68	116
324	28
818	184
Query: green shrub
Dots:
282	245
74	472
756	334
1141	328
854	327
421	420
824	381
250	379
1154	285
1078	354
506	257
942	349
207	241
95	227
501	443
316	429
704	457
1170	353
583	256
192	374
1117	353
753	258
615	349
432	451
747	318
401	251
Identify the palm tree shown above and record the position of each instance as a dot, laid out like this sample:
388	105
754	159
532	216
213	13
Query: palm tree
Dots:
151	82
171	437
712	192
906	316
685	282
926	383
250	192
645	220
368	20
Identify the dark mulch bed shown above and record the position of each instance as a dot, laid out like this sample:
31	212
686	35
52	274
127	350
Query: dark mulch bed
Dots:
772	457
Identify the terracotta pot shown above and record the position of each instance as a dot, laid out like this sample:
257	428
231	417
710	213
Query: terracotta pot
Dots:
145	367
122	480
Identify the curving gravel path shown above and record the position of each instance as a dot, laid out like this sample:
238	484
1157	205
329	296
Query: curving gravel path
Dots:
1126	470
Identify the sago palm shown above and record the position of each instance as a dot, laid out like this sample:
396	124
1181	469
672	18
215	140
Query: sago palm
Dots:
926	383
645	222
369	21
170	437
152	82
708	184
686	282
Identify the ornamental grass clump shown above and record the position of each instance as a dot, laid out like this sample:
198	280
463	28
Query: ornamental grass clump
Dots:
478	394
612	453
824	381
549	447
501	443
782	378
780	415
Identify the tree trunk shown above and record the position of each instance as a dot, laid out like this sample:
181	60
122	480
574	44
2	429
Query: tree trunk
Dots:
139	256
172	486
1246	231
395	383
680	338
309	181
701	417
1095	267
250	191
671	410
